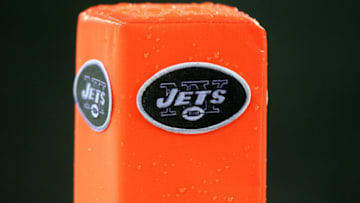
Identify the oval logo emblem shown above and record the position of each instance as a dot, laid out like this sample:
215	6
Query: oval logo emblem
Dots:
92	94
194	97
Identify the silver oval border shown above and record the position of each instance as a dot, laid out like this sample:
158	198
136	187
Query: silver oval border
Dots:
188	65
102	67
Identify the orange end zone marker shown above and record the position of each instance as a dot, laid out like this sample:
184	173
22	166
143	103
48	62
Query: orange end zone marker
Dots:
171	105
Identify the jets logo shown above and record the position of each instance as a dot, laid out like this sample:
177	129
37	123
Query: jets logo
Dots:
196	98
92	94
193	97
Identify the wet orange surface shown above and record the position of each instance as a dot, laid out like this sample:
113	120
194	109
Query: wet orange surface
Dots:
133	161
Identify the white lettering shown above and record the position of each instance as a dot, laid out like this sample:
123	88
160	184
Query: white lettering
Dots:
91	94
102	98
183	98
201	95
85	92
218	97
97	95
161	103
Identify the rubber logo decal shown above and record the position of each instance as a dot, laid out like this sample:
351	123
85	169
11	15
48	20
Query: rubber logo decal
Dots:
193	97
92	94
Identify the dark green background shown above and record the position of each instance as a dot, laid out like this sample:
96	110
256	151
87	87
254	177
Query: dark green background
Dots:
313	111
94	71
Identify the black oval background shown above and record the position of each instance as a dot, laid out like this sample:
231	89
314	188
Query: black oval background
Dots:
235	97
